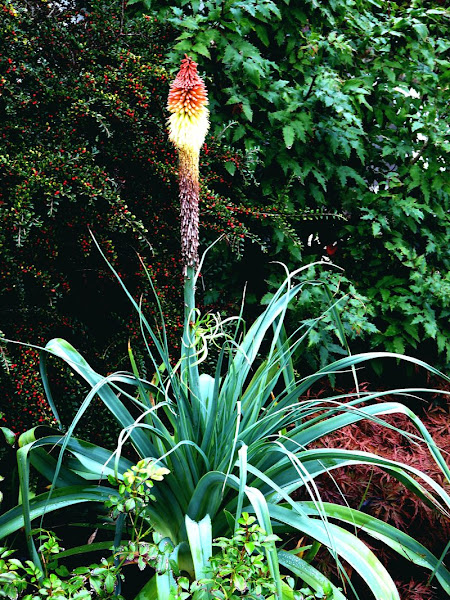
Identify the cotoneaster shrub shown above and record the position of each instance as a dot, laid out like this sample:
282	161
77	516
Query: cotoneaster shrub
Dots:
83	147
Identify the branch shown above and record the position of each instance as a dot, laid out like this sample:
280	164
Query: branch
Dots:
308	93
420	152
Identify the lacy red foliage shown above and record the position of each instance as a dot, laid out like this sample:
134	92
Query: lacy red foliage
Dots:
413	590
377	493
382	495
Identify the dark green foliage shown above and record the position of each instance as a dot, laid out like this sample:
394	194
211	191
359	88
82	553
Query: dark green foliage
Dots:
314	96
347	102
78	106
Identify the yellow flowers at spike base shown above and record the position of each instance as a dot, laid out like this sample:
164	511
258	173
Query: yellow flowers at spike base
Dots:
188	132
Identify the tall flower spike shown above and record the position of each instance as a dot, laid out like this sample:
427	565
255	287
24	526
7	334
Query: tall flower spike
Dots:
188	125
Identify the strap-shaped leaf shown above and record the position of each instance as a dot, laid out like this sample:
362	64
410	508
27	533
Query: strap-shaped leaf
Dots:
100	386
344	544
206	500
311	576
13	520
149	591
389	535
199	534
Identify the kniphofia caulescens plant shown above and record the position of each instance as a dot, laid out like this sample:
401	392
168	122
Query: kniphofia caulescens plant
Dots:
244	440
243	436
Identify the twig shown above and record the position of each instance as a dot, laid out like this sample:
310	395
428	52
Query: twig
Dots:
313	81
420	152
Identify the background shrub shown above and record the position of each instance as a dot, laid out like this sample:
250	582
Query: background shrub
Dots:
346	101
351	167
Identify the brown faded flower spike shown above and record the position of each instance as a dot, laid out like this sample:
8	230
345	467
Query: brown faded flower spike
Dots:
188	125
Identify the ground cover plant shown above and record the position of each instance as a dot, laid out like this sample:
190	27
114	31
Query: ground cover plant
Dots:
227	445
239	566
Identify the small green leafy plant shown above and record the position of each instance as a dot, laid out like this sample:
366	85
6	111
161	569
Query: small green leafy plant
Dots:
237	570
240	568
135	488
27	581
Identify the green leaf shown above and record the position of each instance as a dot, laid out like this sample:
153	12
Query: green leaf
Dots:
346	545
288	136
165	585
110	582
261	32
345	172
399	541
249	547
201	49
10	436
311	576
100	385
200	542
320	178
430	328
230	167
149	590
422	30
13	519
239	583
246	109
253	72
